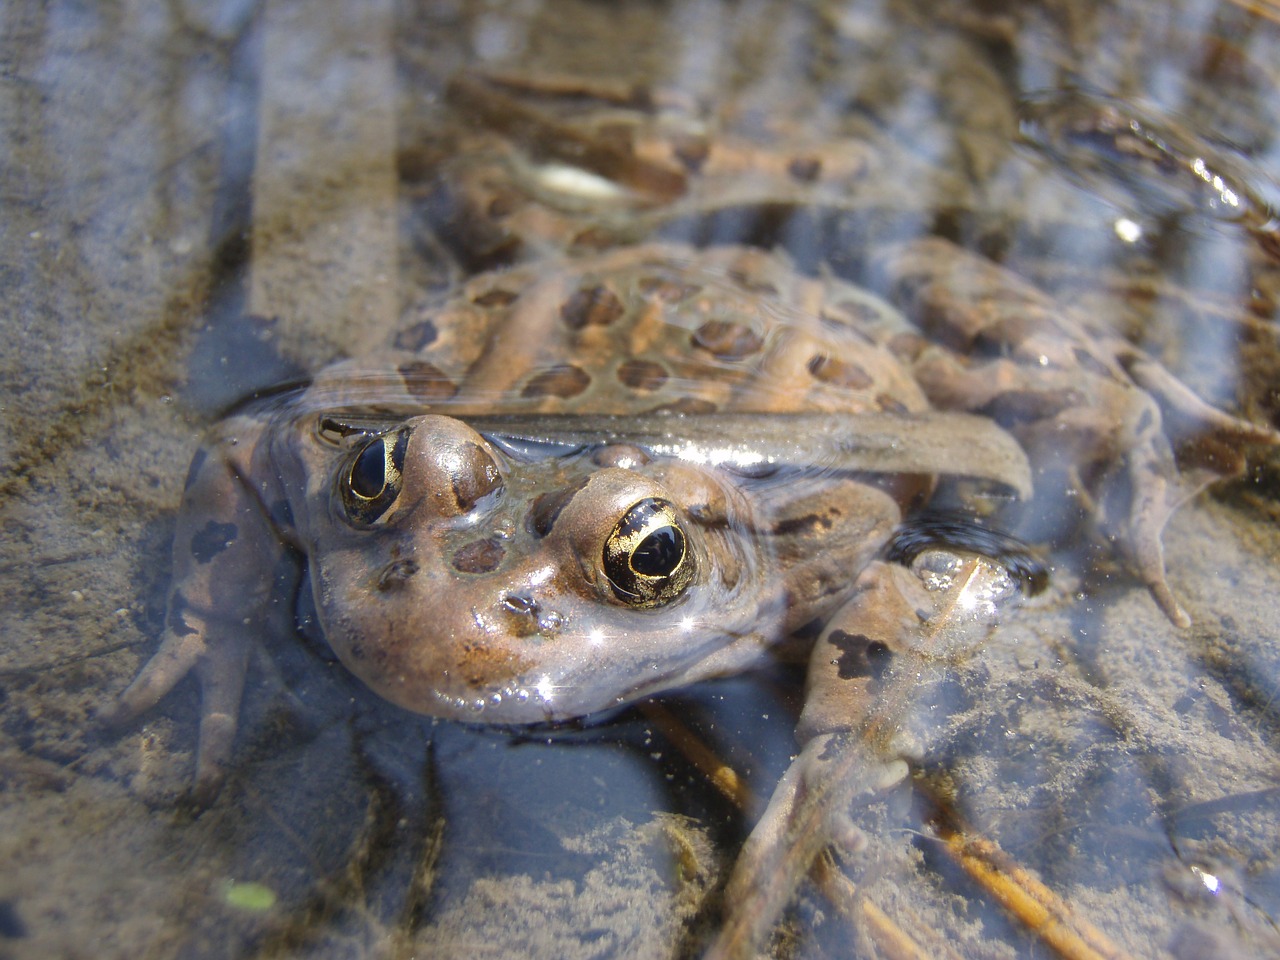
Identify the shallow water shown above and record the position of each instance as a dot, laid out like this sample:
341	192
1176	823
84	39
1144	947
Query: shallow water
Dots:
1131	765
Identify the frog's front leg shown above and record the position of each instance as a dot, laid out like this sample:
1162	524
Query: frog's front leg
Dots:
870	708
1087	406
225	552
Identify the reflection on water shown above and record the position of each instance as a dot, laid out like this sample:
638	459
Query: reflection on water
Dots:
201	203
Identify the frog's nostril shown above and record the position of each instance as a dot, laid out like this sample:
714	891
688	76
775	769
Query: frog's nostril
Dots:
531	618
517	603
396	573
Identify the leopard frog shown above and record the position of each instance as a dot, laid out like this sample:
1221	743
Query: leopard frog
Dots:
576	484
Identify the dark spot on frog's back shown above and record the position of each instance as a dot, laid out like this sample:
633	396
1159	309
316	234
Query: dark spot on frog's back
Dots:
497	297
860	656
596	306
642	374
805	169
417	337
839	373
667	289
751	279
727	340
563	380
426	382
211	539
907	346
692	152
809	523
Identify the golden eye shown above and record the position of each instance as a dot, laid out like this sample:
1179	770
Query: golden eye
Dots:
646	557
371	483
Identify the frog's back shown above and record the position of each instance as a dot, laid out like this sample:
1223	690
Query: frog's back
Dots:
655	328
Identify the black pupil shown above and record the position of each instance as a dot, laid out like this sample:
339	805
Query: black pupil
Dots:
659	553
369	472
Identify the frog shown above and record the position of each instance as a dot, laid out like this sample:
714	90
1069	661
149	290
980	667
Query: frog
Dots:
577	483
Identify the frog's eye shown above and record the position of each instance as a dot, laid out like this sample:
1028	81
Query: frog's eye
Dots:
372	481
646	557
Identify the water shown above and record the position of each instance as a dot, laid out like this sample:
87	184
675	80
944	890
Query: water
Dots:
1131	765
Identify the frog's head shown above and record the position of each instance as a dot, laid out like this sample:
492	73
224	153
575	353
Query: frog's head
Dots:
461	576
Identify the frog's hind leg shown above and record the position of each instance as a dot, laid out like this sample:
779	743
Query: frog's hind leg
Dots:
1089	407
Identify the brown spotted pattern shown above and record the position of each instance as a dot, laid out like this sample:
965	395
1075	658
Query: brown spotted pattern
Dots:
839	373
426	382
643	375
665	329
564	380
596	306
458	568
727	340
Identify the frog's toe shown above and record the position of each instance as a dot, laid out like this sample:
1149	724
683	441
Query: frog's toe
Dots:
220	670
221	687
1143	546
173	661
217	736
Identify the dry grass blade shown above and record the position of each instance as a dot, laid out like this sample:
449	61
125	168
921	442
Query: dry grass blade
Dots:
722	776
1267	9
1045	913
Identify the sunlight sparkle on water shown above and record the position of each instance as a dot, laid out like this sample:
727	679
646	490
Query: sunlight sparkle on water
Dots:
541	576
1127	230
1225	193
720	456
546	688
1210	881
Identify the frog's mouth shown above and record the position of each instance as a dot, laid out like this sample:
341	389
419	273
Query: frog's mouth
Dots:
546	670
618	670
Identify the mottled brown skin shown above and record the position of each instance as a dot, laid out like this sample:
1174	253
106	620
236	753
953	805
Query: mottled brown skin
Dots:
464	576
